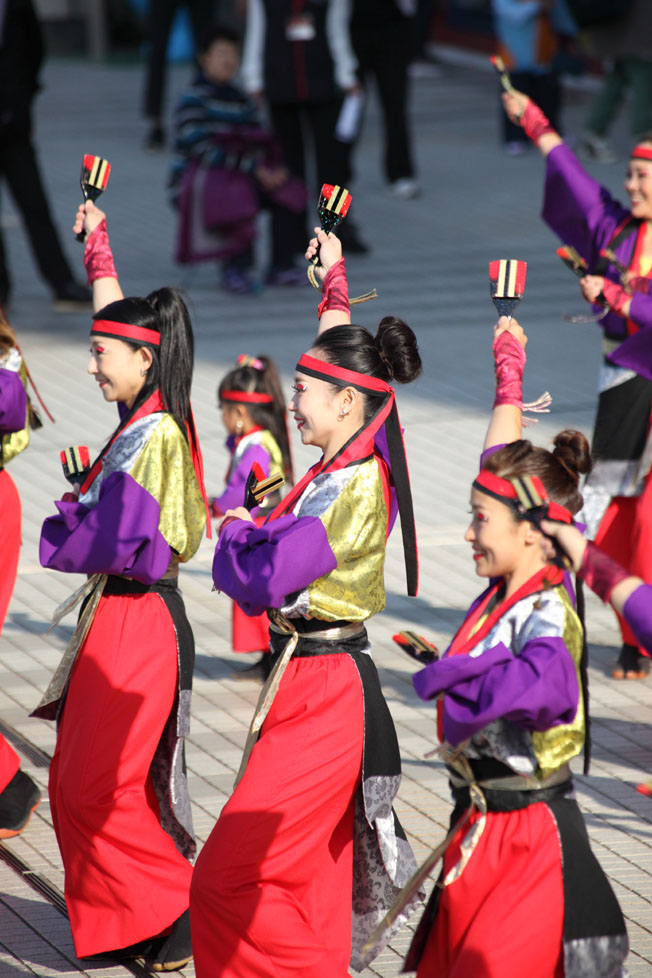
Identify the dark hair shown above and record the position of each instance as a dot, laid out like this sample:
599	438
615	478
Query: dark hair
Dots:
392	354
558	470
645	137
270	416
218	32
7	335
165	311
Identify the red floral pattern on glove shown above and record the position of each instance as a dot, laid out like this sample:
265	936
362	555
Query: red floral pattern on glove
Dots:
98	257
534	122
600	571
335	289
510	361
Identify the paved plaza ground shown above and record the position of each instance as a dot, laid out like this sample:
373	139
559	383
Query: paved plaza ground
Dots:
429	263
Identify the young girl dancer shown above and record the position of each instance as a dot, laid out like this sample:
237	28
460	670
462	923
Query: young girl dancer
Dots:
253	412
618	495
309	841
19	795
511	715
118	789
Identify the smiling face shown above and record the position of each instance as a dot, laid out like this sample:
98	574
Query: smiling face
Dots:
638	184
499	542
315	405
117	368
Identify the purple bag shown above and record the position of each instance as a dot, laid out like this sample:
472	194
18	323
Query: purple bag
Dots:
230	196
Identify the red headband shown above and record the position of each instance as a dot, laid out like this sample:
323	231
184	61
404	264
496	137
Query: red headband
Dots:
124	331
641	152
341	376
246	397
505	492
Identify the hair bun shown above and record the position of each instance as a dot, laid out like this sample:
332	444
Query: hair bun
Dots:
398	349
573	453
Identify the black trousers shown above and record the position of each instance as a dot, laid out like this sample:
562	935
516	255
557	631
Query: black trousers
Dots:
161	16
383	51
310	125
20	171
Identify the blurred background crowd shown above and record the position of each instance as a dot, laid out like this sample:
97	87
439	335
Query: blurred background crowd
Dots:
276	101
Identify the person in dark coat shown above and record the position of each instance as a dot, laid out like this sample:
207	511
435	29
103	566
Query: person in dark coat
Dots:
21	56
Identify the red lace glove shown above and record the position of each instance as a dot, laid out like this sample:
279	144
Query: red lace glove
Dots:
640	283
98	257
617	297
600	572
510	360
534	122
335	289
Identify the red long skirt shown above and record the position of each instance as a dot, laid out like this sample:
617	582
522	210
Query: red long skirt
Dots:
9	552
249	634
9	540
271	891
503	917
9	763
125	879
625	533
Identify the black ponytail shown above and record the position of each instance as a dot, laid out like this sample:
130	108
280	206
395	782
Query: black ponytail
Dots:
391	355
250	378
164	311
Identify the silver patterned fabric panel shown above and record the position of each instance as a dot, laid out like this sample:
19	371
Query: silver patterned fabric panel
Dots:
318	496
596	957
374	891
11	360
322	492
122	455
611	376
501	739
169	778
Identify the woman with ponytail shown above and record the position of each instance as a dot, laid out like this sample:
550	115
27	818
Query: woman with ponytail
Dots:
512	711
308	853
121	695
253	411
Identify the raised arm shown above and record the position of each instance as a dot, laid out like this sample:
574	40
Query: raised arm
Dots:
627	594
522	111
331	271
509	354
98	257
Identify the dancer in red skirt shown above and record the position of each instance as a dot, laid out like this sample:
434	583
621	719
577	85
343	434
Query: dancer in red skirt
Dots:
253	412
308	853
122	692
616	244
19	795
520	892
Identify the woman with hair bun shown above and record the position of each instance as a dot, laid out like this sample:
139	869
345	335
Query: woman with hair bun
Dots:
121	694
511	699
311	820
253	411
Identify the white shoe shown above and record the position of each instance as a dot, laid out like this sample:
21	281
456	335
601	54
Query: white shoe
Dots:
595	149
406	188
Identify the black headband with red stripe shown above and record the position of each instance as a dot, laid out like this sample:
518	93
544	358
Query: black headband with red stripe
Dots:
126	332
387	415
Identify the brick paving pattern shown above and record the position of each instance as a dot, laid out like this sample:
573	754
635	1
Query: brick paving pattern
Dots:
429	263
